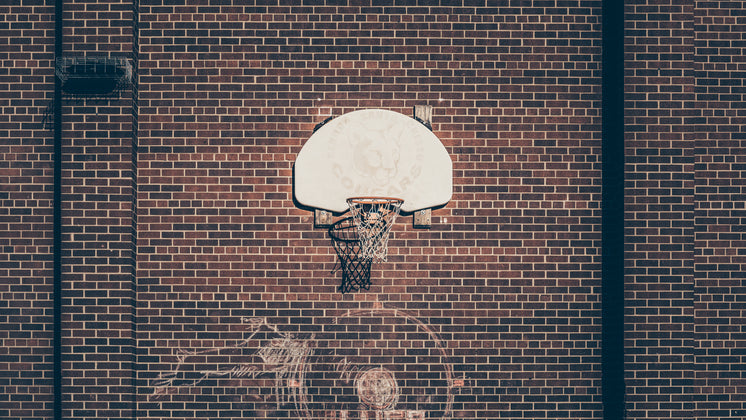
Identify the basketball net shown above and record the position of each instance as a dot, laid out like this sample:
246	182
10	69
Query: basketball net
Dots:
374	217
355	270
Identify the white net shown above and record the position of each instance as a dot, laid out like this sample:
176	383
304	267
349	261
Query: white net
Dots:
374	217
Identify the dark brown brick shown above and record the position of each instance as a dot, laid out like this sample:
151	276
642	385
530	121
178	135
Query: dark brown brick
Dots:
507	278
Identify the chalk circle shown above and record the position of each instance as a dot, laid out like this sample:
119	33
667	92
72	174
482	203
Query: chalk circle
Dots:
377	388
381	361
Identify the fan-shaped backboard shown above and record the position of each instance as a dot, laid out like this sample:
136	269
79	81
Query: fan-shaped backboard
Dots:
373	152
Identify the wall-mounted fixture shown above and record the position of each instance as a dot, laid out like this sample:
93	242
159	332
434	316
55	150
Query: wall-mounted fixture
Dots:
93	77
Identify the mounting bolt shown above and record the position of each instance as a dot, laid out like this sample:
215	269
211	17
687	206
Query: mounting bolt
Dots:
322	218
424	114
422	218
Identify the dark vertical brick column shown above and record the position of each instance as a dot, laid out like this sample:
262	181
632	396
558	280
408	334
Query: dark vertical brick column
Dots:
97	197
26	92
720	236
660	209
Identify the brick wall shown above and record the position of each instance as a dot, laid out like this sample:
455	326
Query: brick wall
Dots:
26	90
213	296
720	197
97	219
660	206
685	201
503	288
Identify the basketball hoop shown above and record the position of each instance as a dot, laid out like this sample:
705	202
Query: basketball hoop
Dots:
355	269
374	217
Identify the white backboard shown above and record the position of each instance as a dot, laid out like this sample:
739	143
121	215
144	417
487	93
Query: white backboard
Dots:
373	152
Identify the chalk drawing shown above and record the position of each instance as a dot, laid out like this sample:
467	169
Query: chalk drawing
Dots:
377	388
363	365
382	364
376	415
279	360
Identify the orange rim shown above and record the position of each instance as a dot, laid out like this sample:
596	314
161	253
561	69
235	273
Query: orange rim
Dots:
374	200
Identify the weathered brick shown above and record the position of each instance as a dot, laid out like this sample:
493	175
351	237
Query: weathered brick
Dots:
503	290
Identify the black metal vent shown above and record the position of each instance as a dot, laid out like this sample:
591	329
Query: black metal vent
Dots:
92	77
